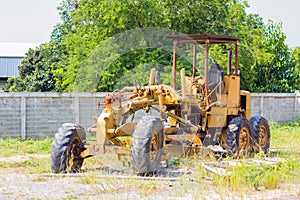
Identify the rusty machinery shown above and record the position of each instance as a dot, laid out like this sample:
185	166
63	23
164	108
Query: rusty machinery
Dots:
208	111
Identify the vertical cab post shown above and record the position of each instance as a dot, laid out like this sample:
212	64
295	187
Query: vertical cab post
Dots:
183	90
183	85
174	63
194	61
236	58
206	68
229	55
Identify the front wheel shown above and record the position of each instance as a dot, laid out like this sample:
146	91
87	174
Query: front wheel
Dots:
147	145
260	134
238	136
66	148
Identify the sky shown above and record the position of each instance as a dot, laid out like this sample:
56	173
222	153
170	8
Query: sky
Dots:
31	21
285	11
27	21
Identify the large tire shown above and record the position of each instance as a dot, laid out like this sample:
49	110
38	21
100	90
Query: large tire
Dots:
260	134
68	143
238	137
147	145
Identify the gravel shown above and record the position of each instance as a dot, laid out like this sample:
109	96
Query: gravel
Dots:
100	185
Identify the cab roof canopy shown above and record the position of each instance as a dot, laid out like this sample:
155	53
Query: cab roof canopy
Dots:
203	39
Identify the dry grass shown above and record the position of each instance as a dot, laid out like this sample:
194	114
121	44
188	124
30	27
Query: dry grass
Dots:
32	157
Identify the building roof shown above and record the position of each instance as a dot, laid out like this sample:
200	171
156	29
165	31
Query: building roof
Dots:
15	49
9	66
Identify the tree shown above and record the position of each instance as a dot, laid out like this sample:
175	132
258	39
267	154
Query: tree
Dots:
43	68
34	73
277	71
294	71
39	70
95	21
99	41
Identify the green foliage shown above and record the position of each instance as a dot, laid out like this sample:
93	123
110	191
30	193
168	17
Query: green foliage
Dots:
135	67
90	28
41	70
295	68
277	73
94	48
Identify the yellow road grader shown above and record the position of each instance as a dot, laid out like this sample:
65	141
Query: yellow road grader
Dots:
208	111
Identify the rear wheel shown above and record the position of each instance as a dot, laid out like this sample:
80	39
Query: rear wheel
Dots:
260	134
238	136
66	148
147	145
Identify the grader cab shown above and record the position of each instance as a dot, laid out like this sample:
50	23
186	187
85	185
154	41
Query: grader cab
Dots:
208	111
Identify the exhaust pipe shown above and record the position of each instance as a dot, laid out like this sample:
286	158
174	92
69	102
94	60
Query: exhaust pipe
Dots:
152	77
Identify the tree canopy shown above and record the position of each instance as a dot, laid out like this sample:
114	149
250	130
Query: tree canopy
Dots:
99	43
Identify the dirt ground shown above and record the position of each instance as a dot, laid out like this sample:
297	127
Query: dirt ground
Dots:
98	184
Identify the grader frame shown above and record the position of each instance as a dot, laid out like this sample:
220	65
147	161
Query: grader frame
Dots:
208	111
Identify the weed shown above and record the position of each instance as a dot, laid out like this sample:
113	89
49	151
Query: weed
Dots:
4	192
145	188
101	185
39	179
71	197
245	177
10	147
285	138
31	165
290	124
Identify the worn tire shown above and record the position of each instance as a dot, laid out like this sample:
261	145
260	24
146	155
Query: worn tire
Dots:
147	145
260	134
69	136
238	137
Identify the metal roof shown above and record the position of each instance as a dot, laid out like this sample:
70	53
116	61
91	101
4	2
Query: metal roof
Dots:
203	38
11	55
9	66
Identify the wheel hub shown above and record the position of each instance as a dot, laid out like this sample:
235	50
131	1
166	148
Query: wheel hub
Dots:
244	139
262	136
73	157
154	147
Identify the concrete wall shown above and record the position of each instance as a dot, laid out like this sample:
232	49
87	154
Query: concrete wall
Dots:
38	115
278	107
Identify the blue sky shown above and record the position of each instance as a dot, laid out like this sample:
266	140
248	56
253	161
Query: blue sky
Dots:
31	21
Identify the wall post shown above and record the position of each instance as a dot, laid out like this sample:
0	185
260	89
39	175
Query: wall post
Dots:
23	117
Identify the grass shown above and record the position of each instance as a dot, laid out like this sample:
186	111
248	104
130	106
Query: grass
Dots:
11	147
32	165
285	139
113	184
25	156
263	176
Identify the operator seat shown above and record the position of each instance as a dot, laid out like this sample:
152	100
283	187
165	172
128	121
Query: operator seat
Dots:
215	76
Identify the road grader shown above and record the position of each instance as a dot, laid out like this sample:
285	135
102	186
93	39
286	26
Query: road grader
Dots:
207	111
